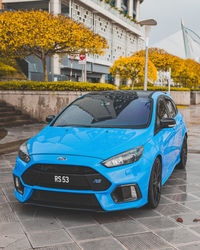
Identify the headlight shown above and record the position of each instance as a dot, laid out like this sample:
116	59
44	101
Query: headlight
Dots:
124	158
23	153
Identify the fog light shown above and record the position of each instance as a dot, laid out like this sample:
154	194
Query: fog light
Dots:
18	185
126	193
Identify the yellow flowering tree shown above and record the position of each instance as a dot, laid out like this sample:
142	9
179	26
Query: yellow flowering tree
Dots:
190	74
132	68
42	34
185	72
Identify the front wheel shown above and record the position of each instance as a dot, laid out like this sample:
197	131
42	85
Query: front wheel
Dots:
154	192
183	161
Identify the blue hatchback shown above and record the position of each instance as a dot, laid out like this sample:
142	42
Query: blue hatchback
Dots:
106	151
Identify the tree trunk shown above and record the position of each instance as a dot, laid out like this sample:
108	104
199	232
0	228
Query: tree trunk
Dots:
132	83
44	63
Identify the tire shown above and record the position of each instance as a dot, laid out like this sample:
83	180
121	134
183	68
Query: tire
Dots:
155	184
183	161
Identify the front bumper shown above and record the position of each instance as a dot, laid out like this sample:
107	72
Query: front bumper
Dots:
136	174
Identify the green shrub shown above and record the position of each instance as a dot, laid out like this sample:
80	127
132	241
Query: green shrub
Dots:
155	88
6	69
55	86
195	89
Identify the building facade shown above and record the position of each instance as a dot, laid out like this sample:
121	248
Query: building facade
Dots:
114	20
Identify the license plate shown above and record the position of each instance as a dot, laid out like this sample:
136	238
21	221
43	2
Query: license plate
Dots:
61	179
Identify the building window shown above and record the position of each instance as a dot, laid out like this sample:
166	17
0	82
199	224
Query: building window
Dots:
134	8
64	9
125	6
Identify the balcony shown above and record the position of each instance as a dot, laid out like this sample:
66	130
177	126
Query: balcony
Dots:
113	14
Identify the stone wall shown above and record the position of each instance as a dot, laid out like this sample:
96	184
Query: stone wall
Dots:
40	104
195	97
181	97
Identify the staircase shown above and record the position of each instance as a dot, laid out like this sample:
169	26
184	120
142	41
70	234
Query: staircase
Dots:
10	117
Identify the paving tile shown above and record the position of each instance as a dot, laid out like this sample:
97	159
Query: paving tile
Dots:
10	228
125	227
144	241
194	205
7	217
106	244
196	194
194	246
196	229
19	244
178	236
5	178
5	170
88	232
49	238
41	224
181	197
75	219
165	200
111	217
6	240
68	246
170	190
175	182
5	208
187	218
29	212
9	193
2	198
188	188
11	196
158	223
172	209
142	212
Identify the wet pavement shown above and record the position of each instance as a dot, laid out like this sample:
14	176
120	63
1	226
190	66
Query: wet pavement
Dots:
28	227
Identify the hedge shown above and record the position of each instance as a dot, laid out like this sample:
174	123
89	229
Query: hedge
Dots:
55	86
156	88
74	86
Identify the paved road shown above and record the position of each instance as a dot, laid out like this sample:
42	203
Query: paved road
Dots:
28	227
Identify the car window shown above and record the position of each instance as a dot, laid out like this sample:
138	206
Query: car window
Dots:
171	108
161	112
120	110
162	109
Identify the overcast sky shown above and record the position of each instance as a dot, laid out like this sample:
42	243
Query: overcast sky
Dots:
168	14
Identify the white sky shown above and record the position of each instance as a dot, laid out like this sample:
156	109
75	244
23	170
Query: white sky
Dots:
168	14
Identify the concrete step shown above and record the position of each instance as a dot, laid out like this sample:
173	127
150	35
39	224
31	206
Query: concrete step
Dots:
16	123
10	113
10	117
14	118
6	108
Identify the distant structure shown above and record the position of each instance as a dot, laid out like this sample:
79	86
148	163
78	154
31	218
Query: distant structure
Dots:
113	19
185	43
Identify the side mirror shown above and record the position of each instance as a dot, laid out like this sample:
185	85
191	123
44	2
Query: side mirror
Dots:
167	123
50	118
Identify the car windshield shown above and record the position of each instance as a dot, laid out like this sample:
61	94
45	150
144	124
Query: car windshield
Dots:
115	110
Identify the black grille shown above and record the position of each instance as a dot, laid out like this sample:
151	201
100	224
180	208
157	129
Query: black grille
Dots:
80	177
65	200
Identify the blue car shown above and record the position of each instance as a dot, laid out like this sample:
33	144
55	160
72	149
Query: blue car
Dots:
106	151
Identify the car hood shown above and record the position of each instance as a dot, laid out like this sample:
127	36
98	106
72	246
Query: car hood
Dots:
100	143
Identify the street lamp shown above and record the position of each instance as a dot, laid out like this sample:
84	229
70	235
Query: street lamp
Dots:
147	24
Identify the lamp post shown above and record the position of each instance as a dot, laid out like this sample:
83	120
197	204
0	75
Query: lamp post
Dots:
147	24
